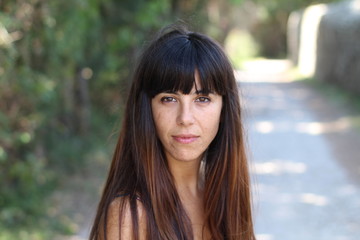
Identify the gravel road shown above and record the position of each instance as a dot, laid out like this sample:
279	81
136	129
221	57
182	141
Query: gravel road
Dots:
305	158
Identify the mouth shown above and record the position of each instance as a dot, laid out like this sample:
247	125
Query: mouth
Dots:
185	138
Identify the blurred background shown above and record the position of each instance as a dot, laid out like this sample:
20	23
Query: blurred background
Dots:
65	68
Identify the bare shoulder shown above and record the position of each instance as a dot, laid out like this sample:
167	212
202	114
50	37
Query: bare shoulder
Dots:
119	220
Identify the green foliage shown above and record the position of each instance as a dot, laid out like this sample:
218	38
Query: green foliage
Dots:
7	234
240	47
271	31
274	6
60	64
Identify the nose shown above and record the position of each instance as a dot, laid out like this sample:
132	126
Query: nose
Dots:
185	114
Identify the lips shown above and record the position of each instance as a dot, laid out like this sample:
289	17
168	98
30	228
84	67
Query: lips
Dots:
185	138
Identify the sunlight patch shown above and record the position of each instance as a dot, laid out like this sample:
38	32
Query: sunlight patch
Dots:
316	128
264	237
264	127
279	167
314	199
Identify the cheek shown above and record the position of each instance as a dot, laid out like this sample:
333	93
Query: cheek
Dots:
215	126
218	112
161	123
156	114
218	117
157	120
212	123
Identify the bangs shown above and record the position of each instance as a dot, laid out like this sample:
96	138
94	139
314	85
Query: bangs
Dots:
171	67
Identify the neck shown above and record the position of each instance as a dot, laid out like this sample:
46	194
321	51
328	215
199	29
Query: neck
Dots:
187	177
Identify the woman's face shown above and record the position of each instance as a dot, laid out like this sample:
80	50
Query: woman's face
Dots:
186	124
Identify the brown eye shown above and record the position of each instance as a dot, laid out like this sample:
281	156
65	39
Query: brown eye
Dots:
168	99
203	99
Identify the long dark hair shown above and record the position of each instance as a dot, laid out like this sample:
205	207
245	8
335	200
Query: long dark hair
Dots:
139	169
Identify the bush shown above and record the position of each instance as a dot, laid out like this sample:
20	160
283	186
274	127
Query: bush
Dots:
240	46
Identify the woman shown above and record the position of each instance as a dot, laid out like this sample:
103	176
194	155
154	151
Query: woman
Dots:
179	170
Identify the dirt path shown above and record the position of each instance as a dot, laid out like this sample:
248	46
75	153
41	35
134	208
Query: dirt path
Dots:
306	155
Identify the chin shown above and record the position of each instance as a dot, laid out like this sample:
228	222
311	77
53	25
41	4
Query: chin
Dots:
189	158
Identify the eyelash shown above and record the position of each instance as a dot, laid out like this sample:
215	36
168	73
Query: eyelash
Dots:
167	99
203	99
172	99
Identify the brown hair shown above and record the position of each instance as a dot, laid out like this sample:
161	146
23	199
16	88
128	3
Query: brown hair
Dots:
139	168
